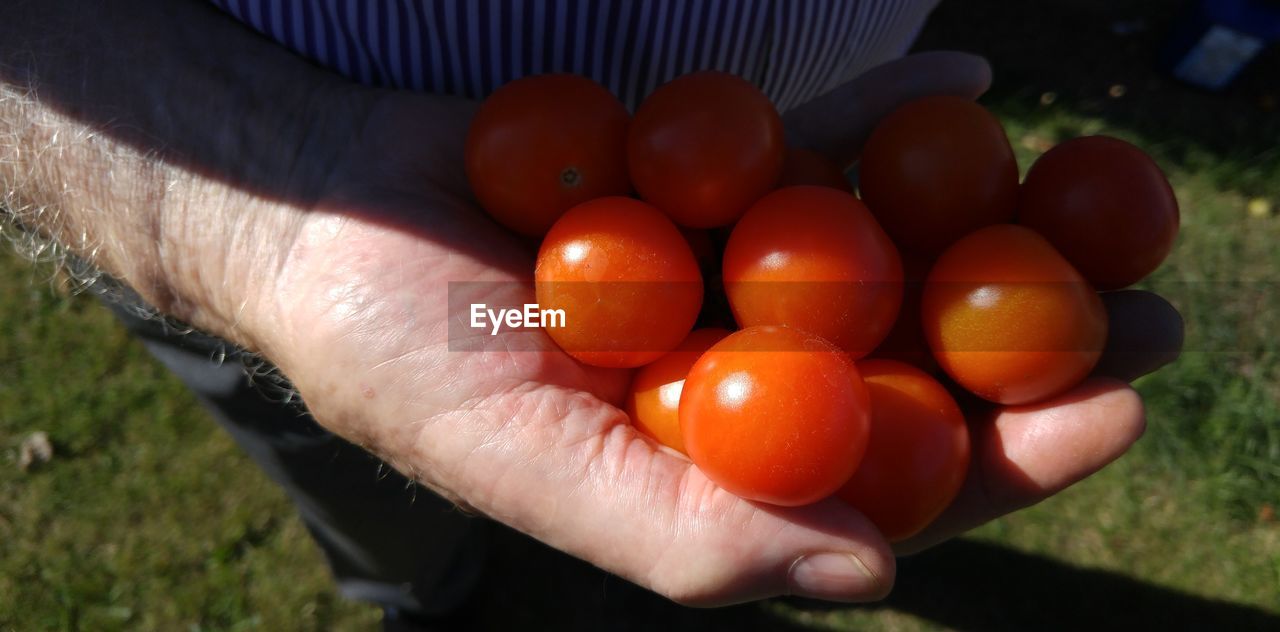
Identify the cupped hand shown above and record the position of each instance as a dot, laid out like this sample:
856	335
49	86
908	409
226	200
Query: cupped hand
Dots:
359	318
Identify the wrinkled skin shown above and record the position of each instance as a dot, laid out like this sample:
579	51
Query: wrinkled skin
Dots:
525	434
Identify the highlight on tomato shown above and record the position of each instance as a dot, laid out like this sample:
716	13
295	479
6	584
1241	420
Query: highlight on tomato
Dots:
653	400
611	265
776	415
1009	319
813	258
838	297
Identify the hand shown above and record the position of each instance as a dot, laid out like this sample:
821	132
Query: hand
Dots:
523	433
321	223
1021	454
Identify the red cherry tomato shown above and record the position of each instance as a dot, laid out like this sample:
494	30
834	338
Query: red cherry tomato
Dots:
654	399
937	169
1105	205
541	145
775	415
705	146
813	258
918	454
805	166
1009	319
625	278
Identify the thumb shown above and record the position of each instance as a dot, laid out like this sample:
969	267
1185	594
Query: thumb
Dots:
604	493
838	123
719	549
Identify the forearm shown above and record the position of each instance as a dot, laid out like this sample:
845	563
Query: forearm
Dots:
120	208
164	142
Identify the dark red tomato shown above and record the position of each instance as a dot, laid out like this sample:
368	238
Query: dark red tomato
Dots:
937	169
625	278
1105	205
805	166
654	399
906	342
775	415
813	258
540	145
704	147
918	454
1009	319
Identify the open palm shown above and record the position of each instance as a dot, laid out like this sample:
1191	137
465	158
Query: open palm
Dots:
523	433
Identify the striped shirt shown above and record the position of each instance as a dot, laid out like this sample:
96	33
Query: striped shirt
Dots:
792	49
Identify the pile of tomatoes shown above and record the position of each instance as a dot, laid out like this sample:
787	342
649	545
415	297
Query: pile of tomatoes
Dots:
854	320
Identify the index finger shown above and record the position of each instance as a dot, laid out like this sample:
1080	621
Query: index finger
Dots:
1145	333
1025	454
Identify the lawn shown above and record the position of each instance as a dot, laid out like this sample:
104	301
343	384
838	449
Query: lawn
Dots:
149	518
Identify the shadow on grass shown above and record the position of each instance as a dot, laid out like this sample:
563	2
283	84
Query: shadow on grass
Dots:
963	585
972	585
528	585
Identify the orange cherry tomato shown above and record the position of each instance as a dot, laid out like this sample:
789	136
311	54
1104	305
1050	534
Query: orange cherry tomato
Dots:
625	278
704	146
937	169
1009	319
805	166
775	415
814	258
654	399
541	145
1105	205
918	454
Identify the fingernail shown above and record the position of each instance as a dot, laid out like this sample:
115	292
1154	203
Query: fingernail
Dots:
833	576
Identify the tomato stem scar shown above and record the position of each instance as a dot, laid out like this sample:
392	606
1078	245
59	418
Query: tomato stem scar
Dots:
570	177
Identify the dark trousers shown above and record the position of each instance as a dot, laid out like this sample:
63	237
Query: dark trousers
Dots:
387	540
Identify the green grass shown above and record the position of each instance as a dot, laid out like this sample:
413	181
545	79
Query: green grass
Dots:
1216	415
149	518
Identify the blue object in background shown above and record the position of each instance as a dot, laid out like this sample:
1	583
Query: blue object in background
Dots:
1220	37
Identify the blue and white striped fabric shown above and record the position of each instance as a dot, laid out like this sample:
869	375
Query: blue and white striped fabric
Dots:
793	49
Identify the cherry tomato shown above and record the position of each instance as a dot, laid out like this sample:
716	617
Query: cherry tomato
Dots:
654	399
541	145
1105	205
906	342
814	258
937	169
625	278
805	166
918	454
775	415
1009	319
704	146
